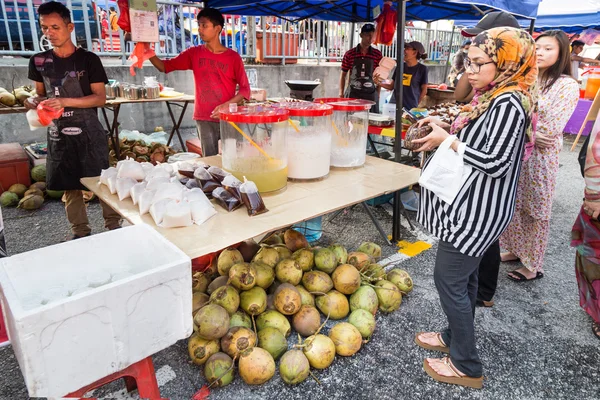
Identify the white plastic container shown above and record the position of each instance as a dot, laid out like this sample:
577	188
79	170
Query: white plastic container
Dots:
309	140
86	334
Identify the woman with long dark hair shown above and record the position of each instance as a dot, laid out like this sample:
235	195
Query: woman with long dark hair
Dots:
526	237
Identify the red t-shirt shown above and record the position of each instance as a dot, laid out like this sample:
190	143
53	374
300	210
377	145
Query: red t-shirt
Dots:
215	75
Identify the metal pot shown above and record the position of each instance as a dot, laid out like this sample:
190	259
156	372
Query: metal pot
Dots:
112	90
132	92
121	90
151	92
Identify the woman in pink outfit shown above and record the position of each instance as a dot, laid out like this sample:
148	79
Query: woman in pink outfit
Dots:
527	235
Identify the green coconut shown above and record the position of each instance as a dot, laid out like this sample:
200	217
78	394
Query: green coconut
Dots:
199	299
347	339
227	297
274	319
242	276
19	189
389	296
365	298
265	276
256	366
317	281
200	282
400	278
212	321
269	255
287	299
38	173
305	259
38	185
307	298
55	194
240	318
294	367
227	259
294	240
325	260
217	283
319	350
9	199
334	304
284	252
370	248
307	321
359	260
254	301
34	191
364	321
237	339
31	202
273	341
346	279
288	271
218	370
340	252
200	349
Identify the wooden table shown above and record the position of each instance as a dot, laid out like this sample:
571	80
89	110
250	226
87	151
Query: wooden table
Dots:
114	105
299	202
12	110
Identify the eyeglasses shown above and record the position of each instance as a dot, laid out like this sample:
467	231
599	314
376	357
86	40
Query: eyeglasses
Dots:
474	67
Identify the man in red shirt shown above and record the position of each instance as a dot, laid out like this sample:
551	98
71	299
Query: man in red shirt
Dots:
361	62
217	72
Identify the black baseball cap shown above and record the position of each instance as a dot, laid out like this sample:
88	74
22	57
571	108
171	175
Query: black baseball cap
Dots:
367	28
496	19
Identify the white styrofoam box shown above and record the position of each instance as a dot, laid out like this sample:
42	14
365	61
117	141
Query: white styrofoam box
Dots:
79	311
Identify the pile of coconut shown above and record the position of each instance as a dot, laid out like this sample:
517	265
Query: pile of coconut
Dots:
158	190
246	305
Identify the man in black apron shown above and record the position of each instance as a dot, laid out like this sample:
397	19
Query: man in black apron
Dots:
361	62
73	79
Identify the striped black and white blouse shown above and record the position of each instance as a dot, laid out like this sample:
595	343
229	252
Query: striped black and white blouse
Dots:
485	204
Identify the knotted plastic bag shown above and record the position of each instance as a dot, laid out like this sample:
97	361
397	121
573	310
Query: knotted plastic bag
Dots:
141	52
47	114
123	21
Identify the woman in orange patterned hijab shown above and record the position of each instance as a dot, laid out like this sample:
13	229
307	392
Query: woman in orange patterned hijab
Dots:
513	52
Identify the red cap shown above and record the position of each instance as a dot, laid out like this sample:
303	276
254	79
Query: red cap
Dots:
341	104
255	115
307	109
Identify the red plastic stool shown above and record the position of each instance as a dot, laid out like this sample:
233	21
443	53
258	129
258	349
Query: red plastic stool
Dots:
3	331
138	376
193	146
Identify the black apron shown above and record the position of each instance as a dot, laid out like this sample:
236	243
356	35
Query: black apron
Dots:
362	85
77	143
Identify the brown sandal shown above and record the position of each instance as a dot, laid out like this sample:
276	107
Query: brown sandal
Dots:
442	347
457	379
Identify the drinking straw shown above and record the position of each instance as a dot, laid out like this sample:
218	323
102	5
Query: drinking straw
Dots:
338	133
252	142
294	125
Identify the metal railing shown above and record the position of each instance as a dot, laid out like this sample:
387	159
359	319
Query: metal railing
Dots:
256	39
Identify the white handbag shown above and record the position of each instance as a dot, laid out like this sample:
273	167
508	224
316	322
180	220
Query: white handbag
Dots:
446	173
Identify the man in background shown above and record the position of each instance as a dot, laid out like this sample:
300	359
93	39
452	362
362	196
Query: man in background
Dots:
576	59
360	62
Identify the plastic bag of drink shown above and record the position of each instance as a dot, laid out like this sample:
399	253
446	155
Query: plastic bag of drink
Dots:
226	199
252	198
124	186
177	214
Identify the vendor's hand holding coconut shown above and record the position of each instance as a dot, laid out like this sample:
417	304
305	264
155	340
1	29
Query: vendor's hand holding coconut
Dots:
435	138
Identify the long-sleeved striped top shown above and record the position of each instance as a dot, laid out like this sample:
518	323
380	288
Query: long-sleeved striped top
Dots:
485	204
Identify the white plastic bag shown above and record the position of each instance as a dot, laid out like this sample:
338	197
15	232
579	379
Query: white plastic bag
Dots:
158	209
446	173
136	191
147	167
112	184
157	172
33	120
172	190
124	186
154	183
167	167
145	201
178	214
107	173
195	194
202	211
131	169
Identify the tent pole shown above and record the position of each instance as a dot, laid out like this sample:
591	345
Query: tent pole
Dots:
532	26
397	210
449	53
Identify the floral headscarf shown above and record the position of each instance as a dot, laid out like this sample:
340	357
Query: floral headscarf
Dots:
513	52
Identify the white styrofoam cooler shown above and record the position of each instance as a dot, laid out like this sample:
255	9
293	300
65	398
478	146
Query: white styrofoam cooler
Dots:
79	311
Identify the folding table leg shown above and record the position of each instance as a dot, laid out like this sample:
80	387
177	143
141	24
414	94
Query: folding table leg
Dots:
176	123
113	128
373	146
376	223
